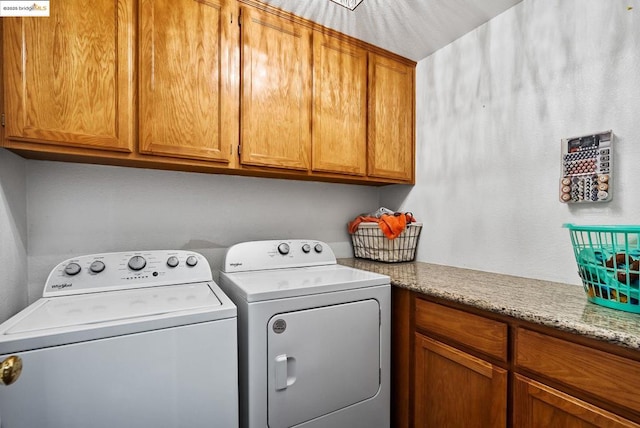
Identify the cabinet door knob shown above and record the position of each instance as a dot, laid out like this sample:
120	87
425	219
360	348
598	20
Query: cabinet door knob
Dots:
10	370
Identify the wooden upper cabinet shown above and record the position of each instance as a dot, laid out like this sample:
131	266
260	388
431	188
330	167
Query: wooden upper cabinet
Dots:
188	95
276	91
232	86
339	136
69	78
391	119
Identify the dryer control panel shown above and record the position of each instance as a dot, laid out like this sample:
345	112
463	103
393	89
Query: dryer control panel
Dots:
124	270
273	254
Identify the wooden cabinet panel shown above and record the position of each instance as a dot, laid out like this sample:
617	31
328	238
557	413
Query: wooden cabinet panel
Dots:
391	119
609	377
401	356
339	135
188	96
454	389
276	92
537	405
69	78
485	335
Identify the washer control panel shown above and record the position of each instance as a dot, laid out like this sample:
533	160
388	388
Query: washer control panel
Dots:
277	254
135	269
587	166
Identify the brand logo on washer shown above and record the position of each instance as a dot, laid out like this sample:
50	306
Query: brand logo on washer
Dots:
279	326
235	264
61	286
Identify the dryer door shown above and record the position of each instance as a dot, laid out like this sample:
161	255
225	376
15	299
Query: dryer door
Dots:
322	360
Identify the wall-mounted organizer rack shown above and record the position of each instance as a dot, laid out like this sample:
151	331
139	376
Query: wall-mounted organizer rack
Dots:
586	168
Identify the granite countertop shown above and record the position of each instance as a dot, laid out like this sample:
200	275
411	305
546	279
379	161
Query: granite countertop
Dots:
553	304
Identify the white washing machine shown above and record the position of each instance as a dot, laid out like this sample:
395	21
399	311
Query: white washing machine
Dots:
133	339
314	337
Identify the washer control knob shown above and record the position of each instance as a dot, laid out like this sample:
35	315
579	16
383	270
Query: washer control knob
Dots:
137	263
283	249
97	266
172	261
192	261
306	248
72	269
318	248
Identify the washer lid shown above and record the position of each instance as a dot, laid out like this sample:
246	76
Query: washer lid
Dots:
272	284
68	319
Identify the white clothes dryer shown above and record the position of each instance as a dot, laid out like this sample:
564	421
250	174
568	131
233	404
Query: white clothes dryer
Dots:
314	337
134	339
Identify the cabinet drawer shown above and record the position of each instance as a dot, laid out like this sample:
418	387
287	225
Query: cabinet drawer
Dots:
606	376
482	334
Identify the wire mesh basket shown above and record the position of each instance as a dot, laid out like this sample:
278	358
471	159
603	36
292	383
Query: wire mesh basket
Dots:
608	259
370	243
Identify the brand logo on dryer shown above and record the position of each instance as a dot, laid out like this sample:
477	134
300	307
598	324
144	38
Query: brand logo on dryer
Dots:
61	286
235	264
279	326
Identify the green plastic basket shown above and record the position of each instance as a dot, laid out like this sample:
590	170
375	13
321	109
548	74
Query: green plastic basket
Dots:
608	260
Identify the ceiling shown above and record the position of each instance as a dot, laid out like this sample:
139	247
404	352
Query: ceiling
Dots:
411	28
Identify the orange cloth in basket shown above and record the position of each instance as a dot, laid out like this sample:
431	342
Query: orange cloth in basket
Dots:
391	225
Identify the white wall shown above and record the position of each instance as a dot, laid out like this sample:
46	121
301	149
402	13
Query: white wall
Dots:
13	234
491	110
79	209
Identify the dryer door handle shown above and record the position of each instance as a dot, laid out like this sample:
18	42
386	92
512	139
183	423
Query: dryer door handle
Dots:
281	372
284	371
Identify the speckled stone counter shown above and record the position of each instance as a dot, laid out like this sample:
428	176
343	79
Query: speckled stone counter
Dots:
553	304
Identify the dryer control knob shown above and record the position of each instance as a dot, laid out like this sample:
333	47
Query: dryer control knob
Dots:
283	249
172	261
72	269
192	261
318	248
306	248
97	266
137	263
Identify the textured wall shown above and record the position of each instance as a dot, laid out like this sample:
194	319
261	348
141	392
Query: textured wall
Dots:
491	110
82	209
13	234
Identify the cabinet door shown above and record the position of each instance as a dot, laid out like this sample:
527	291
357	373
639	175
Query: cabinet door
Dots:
391	119
537	405
188	104
455	389
69	78
339	137
276	91
609	377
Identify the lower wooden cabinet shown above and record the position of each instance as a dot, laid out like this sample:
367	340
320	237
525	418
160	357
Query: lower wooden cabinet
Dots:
590	371
474	368
538	405
455	389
